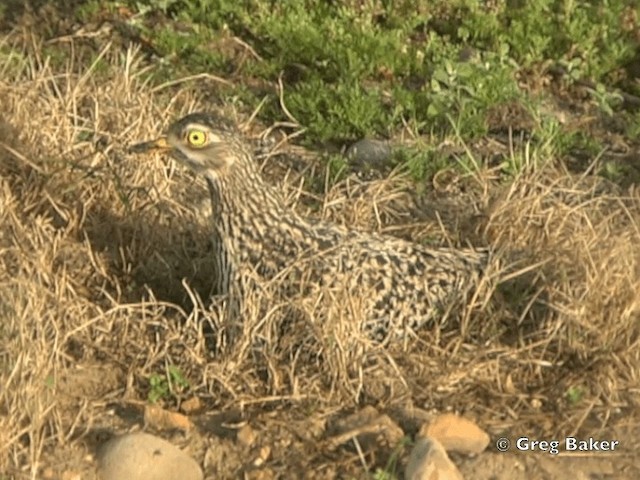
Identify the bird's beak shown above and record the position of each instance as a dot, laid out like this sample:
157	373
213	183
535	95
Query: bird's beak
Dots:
160	144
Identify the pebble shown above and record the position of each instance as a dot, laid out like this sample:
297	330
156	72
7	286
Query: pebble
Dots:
141	456
411	418
368	153
369	427
456	434
162	419
429	461
191	405
246	436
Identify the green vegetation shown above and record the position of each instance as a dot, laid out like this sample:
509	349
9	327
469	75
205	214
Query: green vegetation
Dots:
575	394
163	386
355	69
392	463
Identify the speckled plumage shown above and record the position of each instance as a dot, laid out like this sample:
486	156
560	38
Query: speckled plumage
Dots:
254	231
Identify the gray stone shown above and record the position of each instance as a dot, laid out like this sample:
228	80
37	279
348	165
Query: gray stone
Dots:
369	154
372	429
140	456
429	461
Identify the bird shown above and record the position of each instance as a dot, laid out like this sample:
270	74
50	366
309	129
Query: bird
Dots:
255	232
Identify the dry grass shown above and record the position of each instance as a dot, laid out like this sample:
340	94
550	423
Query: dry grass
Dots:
104	266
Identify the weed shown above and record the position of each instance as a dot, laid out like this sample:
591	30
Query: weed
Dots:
633	128
354	71
574	395
162	386
421	162
605	99
392	464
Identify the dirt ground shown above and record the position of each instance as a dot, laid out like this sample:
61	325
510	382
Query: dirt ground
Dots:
105	282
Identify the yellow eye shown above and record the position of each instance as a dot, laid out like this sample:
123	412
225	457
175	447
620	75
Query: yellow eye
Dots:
196	138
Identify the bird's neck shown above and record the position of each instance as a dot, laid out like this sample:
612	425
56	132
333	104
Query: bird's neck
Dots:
242	190
248	212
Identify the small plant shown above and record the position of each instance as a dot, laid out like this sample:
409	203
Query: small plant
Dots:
422	161
162	386
574	395
388	473
383	475
633	129
605	99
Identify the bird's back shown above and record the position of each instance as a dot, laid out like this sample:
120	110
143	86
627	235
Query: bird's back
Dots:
402	283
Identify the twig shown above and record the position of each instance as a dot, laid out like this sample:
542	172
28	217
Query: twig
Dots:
249	48
178	81
21	157
282	104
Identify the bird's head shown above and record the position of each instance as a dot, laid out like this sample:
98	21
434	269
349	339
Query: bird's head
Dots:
204	142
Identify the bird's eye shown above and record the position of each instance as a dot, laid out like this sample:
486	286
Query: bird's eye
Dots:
196	138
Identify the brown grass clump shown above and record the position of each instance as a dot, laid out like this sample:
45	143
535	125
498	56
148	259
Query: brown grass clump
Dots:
584	232
105	275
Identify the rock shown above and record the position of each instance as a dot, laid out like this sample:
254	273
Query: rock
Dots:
468	54
411	418
140	456
456	434
71	475
191	405
429	461
265	474
371	429
369	154
48	473
262	456
161	419
246	436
